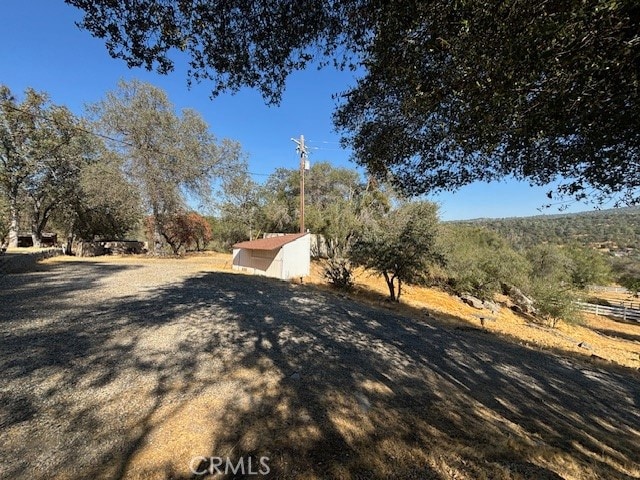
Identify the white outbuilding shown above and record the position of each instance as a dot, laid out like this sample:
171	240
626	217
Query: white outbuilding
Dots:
283	256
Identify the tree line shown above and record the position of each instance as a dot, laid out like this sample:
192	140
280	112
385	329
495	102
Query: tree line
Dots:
617	229
369	224
96	176
614	232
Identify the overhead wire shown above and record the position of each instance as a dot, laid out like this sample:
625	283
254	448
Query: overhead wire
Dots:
105	137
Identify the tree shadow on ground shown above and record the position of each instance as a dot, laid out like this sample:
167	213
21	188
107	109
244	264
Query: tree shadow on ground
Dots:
617	334
238	367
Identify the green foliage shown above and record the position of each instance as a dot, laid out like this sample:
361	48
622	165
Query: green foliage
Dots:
240	207
105	205
557	273
631	283
339	272
401	246
166	154
550	263
615	229
588	267
43	149
220	235
462	91
554	303
452	92
337	205
571	265
627	273
329	191
479	261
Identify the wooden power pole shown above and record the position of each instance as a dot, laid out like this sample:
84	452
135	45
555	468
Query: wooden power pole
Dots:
302	150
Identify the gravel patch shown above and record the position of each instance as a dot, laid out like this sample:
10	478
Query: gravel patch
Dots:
130	369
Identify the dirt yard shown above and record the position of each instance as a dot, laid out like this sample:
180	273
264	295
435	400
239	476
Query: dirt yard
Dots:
140	369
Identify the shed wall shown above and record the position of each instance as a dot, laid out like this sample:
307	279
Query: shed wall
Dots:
258	262
296	258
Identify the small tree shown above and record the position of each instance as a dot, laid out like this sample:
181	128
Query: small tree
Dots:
631	283
588	267
627	273
553	285
479	261
182	230
401	246
554	303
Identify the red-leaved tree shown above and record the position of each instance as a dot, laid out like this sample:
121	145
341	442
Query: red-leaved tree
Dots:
182	230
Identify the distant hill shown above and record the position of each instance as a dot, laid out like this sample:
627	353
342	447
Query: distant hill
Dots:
616	230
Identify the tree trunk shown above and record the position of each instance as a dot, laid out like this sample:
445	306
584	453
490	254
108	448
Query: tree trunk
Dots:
157	239
391	285
175	246
13	224
36	237
157	232
40	218
70	235
399	290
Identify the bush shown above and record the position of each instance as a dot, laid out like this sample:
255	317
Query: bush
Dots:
479	262
339	272
554	302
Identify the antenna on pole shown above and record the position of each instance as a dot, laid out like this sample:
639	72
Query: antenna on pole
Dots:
304	165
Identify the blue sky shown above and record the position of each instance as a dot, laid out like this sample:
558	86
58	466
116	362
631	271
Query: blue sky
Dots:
41	47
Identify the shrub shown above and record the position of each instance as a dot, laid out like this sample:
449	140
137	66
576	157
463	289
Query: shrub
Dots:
554	302
339	272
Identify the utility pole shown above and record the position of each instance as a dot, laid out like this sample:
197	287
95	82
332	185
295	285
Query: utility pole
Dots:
302	150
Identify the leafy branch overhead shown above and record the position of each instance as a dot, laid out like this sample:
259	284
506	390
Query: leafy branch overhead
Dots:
449	92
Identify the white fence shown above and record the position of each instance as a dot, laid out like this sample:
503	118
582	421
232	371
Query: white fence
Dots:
598	288
619	312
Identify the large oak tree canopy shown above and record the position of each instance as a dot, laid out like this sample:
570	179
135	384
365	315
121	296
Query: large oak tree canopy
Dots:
452	92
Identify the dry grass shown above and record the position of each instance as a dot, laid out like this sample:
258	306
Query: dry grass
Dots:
600	336
150	362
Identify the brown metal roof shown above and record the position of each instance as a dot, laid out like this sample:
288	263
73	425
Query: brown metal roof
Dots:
271	243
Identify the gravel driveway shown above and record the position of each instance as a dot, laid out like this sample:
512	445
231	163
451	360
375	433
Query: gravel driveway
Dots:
120	370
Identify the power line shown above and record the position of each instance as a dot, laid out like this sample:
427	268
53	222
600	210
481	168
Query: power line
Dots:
323	141
328	149
75	127
105	137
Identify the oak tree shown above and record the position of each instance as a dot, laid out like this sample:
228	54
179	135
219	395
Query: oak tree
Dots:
449	93
166	155
43	148
401	246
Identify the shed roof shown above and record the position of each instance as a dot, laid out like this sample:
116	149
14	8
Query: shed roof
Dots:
271	243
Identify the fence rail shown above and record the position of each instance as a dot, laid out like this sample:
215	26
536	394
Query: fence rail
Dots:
598	288
619	312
